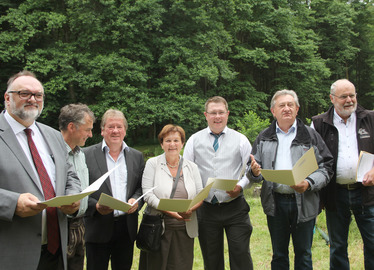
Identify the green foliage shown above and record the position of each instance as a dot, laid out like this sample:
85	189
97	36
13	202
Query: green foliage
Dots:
159	60
251	125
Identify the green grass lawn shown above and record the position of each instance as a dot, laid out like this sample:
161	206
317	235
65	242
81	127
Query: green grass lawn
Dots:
261	245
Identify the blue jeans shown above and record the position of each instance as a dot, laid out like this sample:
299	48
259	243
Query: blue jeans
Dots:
348	202
281	227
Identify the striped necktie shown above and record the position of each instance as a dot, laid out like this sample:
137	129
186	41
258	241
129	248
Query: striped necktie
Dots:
215	146
215	143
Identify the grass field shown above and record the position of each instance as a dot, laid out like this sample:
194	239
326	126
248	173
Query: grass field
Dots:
260	245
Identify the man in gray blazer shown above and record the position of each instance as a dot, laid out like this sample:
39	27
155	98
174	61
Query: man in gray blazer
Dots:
110	234
25	229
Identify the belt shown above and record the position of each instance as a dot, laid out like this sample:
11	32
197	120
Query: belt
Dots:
350	186
217	203
286	195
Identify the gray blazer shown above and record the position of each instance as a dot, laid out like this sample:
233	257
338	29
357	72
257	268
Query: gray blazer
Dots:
20	238
99	228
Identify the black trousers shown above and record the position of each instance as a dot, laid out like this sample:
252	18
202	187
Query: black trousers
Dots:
233	218
119	250
50	261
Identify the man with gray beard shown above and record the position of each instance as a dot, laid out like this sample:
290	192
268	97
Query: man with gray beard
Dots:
347	129
34	167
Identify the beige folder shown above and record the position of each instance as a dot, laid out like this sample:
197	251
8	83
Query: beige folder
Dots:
306	165
183	205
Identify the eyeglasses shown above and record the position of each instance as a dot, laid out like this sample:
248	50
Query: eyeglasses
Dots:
344	97
24	94
217	113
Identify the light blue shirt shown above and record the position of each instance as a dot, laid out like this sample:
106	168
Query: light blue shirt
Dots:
78	160
118	178
283	160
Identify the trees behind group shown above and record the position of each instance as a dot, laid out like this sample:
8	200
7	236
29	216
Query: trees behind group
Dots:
159	60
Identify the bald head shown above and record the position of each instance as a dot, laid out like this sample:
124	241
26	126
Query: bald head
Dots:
342	84
343	97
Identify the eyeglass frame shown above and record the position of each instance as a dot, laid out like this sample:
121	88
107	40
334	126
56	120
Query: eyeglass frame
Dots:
40	96
216	113
344	97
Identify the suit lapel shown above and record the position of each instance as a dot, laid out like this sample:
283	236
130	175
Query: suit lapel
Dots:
102	165
57	158
130	171
9	139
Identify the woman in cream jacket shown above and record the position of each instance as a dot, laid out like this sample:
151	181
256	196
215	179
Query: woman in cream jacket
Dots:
177	242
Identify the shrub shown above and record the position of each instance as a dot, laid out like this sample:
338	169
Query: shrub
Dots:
251	125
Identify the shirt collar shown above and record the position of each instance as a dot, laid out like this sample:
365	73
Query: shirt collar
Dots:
105	147
292	129
223	131
338	119
16	126
74	151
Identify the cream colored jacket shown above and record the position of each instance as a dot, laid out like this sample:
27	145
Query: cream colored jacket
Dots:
156	173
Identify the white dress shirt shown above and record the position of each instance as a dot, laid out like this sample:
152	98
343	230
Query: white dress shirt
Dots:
118	178
244	146
348	150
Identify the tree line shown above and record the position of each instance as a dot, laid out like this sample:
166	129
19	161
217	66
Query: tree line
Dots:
159	60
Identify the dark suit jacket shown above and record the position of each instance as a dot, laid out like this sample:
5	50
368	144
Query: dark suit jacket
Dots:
20	238
99	228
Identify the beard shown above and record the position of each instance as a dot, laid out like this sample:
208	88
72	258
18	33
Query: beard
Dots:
346	113
26	115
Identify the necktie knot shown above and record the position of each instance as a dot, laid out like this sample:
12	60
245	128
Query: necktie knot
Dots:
215	143
28	131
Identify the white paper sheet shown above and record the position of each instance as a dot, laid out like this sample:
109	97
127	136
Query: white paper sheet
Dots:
365	164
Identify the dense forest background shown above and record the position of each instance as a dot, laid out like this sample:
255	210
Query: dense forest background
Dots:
158	61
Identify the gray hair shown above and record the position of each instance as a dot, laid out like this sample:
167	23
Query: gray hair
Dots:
283	93
19	74
115	114
216	99
74	113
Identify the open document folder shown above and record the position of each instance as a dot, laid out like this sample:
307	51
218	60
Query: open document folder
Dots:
116	204
69	199
365	164
183	205
303	167
226	184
